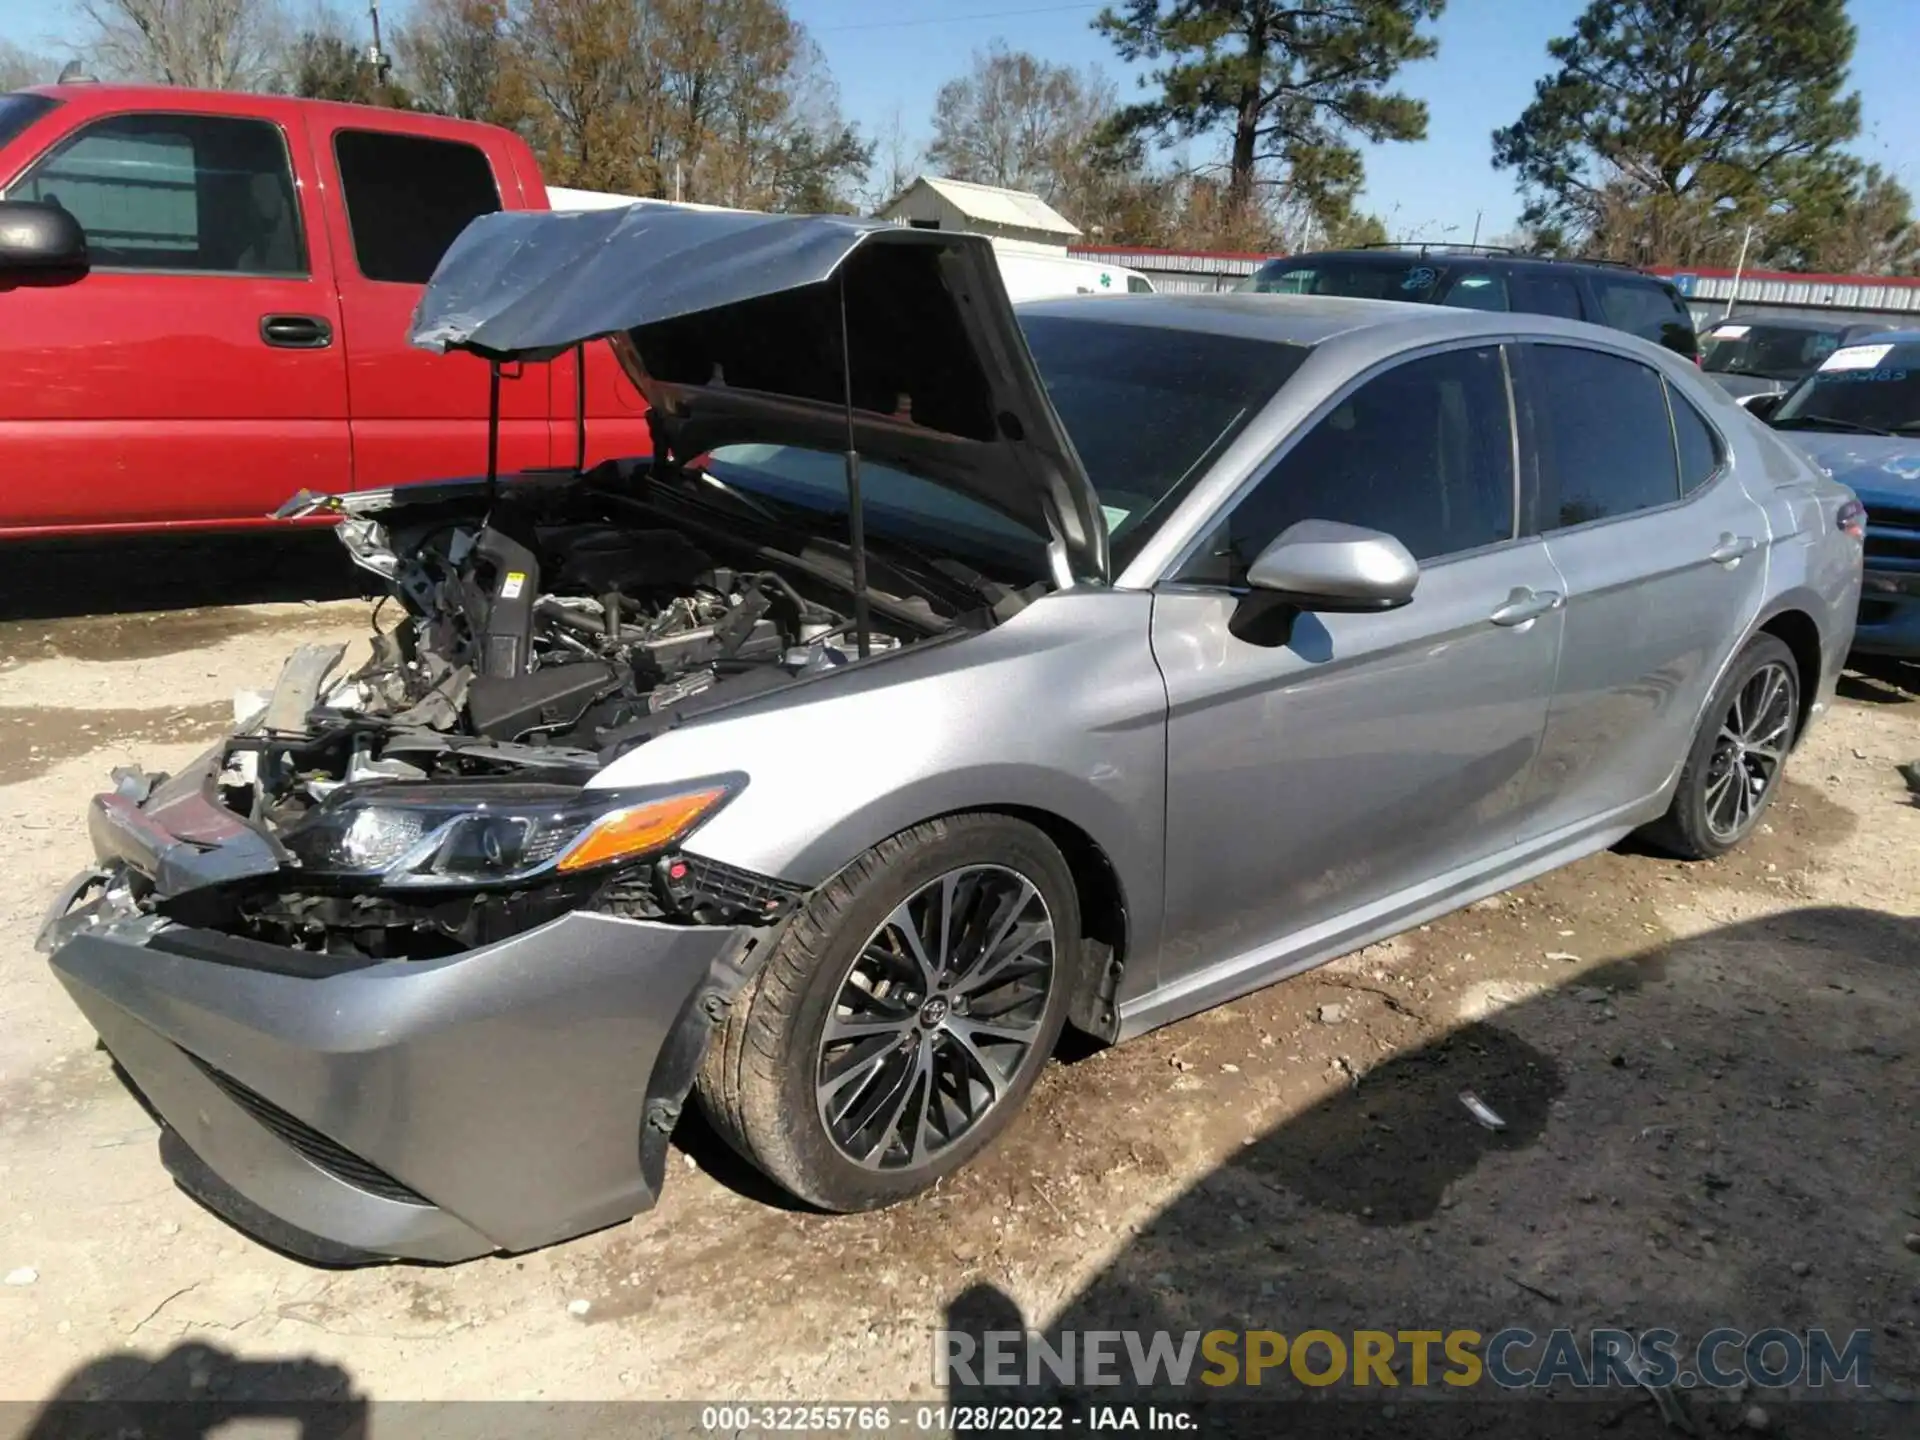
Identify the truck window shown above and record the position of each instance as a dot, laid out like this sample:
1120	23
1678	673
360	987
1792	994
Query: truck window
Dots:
202	194
1647	309
407	198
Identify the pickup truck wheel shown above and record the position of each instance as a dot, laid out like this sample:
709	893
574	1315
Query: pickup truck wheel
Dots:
901	1021
1738	754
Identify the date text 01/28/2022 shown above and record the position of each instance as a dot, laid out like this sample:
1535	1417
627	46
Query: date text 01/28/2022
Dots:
937	1419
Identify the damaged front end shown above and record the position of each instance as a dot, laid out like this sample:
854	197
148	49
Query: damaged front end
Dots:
397	970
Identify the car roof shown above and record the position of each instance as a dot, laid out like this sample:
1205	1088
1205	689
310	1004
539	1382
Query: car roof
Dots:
1829	324
1383	256
1309	320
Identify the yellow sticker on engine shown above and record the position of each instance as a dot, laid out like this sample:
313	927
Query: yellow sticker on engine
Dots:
515	582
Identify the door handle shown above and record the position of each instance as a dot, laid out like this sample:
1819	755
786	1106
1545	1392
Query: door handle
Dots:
1731	548
296	332
1524	605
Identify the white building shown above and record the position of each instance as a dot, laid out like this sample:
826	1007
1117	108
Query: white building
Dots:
1017	216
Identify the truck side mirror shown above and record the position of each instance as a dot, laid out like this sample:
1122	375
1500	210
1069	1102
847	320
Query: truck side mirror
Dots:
39	237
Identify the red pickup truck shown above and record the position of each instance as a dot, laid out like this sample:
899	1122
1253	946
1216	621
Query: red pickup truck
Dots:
238	329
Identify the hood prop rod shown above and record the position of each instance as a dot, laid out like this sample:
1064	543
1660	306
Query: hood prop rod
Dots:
493	430
856	521
580	406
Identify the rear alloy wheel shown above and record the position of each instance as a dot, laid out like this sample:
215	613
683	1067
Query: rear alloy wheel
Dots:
1738	756
904	1016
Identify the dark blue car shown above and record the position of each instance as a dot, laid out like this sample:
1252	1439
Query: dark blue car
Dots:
1858	415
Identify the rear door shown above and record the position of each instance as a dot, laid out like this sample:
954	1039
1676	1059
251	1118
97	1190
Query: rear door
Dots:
401	200
1340	776
1662	556
195	372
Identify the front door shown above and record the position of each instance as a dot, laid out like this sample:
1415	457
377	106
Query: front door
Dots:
1663	559
1345	773
404	198
195	372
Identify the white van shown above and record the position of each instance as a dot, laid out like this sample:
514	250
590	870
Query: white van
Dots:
1031	276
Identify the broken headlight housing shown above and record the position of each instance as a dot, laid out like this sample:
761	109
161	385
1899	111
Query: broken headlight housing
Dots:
471	834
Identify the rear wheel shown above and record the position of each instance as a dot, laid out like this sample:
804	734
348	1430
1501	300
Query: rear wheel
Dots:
1738	755
904	1017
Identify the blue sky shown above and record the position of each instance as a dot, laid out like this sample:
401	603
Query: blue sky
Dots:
890	56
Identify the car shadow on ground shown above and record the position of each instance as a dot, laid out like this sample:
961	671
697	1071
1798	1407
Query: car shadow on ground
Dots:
1881	680
59	579
1719	1132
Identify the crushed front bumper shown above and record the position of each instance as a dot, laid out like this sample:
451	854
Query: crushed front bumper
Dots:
347	1111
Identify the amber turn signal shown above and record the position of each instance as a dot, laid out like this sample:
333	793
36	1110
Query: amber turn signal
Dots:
637	830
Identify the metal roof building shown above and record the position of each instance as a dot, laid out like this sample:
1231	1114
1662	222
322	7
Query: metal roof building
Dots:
933	202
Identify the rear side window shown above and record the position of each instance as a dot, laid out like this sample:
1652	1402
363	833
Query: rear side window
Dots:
1477	290
1650	311
407	198
1545	295
1606	445
1694	441
1423	451
196	193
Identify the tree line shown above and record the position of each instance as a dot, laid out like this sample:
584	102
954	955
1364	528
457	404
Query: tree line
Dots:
1663	131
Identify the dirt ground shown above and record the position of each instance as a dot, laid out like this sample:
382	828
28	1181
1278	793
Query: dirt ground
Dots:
1710	1077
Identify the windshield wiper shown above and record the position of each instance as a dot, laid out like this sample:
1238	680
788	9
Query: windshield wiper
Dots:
1815	422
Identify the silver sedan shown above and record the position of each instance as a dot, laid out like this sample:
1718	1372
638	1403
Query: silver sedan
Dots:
946	678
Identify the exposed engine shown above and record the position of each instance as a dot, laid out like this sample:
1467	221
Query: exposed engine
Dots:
543	625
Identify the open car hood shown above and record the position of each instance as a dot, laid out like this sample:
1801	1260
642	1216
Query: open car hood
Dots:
731	325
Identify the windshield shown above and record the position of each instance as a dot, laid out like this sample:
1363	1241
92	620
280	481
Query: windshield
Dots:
19	111
1772	352
1873	388
1147	407
1150	407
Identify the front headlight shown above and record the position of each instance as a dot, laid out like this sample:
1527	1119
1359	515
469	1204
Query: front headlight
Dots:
472	833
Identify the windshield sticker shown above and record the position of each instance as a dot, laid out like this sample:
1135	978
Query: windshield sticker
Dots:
1730	332
1421	277
1857	357
1115	516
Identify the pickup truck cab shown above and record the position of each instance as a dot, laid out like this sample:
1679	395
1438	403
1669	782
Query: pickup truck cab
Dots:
238	331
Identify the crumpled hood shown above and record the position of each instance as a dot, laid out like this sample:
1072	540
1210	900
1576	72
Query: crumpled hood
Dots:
1875	467
731	324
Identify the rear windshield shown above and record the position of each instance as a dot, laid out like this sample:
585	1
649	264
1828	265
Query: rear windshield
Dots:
1870	387
1467	286
1772	352
19	111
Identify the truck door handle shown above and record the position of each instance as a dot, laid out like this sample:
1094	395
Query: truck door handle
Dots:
296	332
1731	548
1524	605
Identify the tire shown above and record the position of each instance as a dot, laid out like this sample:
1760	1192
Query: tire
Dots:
1711	811
768	1082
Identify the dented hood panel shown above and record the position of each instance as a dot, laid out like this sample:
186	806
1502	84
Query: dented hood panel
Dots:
731	325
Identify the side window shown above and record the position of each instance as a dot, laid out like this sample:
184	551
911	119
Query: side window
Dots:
1694	439
1137	285
1545	295
1423	452
1643	308
1476	290
1603	434
407	198
198	193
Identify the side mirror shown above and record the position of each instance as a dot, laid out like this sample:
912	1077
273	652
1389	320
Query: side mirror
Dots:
1326	567
1761	407
36	236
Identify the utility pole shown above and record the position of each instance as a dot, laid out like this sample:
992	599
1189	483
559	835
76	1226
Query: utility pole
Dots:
1476	229
376	57
1739	268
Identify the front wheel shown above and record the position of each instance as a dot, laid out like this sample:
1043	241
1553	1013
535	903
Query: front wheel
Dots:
899	1025
1738	754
